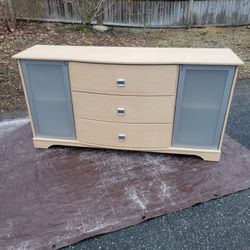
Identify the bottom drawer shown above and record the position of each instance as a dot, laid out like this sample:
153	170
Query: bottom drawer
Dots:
123	135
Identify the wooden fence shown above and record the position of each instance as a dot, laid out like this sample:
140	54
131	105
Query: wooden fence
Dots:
152	13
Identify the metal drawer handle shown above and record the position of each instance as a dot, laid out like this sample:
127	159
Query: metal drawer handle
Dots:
121	137
120	111
120	82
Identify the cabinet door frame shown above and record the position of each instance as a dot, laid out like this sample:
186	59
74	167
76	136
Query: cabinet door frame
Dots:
223	108
28	89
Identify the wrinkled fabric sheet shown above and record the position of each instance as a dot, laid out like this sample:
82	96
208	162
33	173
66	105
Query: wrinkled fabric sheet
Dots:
56	197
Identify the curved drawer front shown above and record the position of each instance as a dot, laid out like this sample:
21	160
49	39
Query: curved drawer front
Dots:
124	79
129	109
122	135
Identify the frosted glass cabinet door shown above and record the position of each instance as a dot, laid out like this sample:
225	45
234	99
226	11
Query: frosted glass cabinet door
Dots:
48	90
203	93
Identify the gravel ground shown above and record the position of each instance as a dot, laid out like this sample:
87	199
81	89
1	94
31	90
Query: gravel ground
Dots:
223	223
28	34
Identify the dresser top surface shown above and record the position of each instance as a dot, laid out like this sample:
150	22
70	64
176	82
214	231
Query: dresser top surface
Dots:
131	55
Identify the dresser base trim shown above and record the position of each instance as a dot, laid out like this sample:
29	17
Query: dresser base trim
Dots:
205	154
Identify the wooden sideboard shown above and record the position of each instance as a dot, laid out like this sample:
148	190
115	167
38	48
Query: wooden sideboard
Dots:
168	100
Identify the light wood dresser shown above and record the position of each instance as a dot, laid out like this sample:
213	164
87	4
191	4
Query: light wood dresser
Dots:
169	100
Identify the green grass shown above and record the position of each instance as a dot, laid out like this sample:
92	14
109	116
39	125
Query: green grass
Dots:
76	28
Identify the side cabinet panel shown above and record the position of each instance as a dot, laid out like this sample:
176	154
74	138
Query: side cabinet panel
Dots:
49	97
202	99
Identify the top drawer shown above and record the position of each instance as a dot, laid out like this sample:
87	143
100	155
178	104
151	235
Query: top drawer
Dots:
123	79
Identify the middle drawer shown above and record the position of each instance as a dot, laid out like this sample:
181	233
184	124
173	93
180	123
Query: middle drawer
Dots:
128	109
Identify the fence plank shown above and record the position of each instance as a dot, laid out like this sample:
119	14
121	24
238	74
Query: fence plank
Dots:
168	13
190	13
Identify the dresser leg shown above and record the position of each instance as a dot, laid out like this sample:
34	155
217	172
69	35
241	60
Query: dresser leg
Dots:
42	143
209	156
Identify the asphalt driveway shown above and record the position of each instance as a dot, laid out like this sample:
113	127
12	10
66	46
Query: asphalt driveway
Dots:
223	223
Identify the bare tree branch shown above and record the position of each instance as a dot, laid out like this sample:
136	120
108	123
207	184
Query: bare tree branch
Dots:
87	10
